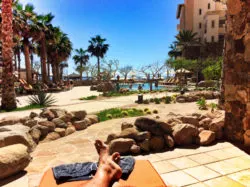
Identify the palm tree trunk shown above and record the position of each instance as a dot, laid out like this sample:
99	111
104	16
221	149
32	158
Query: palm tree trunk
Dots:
54	73
236	71
57	73
48	70
81	70
43	59
27	60
8	93
19	62
98	68
15	56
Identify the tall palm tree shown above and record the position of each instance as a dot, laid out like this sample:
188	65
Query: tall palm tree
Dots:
98	48
185	39
81	58
8	93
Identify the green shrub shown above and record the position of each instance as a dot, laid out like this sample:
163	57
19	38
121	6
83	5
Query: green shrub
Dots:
149	112
42	99
125	113
157	101
146	109
146	101
109	116
213	106
155	111
168	99
213	72
92	97
202	103
151	100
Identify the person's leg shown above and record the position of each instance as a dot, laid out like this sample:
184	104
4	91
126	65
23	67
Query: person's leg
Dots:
108	169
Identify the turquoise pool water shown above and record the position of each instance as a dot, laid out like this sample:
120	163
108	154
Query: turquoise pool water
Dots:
145	86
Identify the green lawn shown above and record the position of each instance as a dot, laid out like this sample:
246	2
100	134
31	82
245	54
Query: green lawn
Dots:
28	107
92	97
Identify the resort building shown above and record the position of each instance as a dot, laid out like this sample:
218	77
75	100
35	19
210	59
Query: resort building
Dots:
205	17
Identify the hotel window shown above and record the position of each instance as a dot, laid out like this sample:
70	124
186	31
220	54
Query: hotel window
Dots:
200	25
212	38
200	11
213	23
209	6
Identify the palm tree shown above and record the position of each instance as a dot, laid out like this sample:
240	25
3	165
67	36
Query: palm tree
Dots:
174	50
98	49
185	39
8	93
81	58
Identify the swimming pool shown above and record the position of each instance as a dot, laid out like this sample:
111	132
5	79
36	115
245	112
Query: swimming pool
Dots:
145	86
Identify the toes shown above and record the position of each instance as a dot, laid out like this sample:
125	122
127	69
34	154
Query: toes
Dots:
116	157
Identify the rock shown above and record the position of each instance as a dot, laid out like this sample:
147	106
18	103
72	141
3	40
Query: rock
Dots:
58	112
93	88
11	120
215	114
156	143
111	137
145	145
193	120
207	84
143	136
184	134
93	118
59	123
247	138
129	133
201	129
135	149
52	136
105	87
35	134
30	123
180	99
88	121
79	115
123	90
217	126
51	126
13	159
25	119
33	115
151	125
80	125
205	123
126	125
47	114
44	130
16	134
169	141
70	130
206	137
60	131
121	145
172	122
67	117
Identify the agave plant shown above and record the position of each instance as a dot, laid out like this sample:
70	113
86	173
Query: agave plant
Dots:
42	99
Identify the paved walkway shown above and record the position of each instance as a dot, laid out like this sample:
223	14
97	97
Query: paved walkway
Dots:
219	165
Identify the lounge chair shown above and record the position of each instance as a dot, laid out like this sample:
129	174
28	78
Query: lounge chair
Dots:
143	175
27	87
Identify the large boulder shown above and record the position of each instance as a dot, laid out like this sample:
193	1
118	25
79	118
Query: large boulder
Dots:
157	143
121	145
51	126
152	125
59	123
206	137
93	119
145	145
80	125
16	134
52	136
126	125
217	126
185	134
67	117
193	120
205	123
13	159
11	120
47	114
58	112
135	149
169	141
43	129
79	115
105	87
31	123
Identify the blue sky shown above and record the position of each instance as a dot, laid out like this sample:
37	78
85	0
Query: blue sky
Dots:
139	31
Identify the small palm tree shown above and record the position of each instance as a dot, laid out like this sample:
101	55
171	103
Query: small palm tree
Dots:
174	50
98	48
81	58
185	39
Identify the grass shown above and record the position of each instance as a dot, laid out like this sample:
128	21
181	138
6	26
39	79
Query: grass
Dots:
28	107
92	97
118	113
118	94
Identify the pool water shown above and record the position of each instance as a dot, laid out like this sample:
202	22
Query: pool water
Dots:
145	86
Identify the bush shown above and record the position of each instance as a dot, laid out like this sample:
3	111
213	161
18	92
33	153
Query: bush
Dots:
151	100
146	101
168	100
213	72
42	99
149	112
92	97
157	101
146	109
202	103
213	106
155	111
125	113
109	116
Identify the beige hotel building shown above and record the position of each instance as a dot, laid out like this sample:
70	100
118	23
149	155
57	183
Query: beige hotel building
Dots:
205	17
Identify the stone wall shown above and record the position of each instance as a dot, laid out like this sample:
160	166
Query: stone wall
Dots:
236	72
